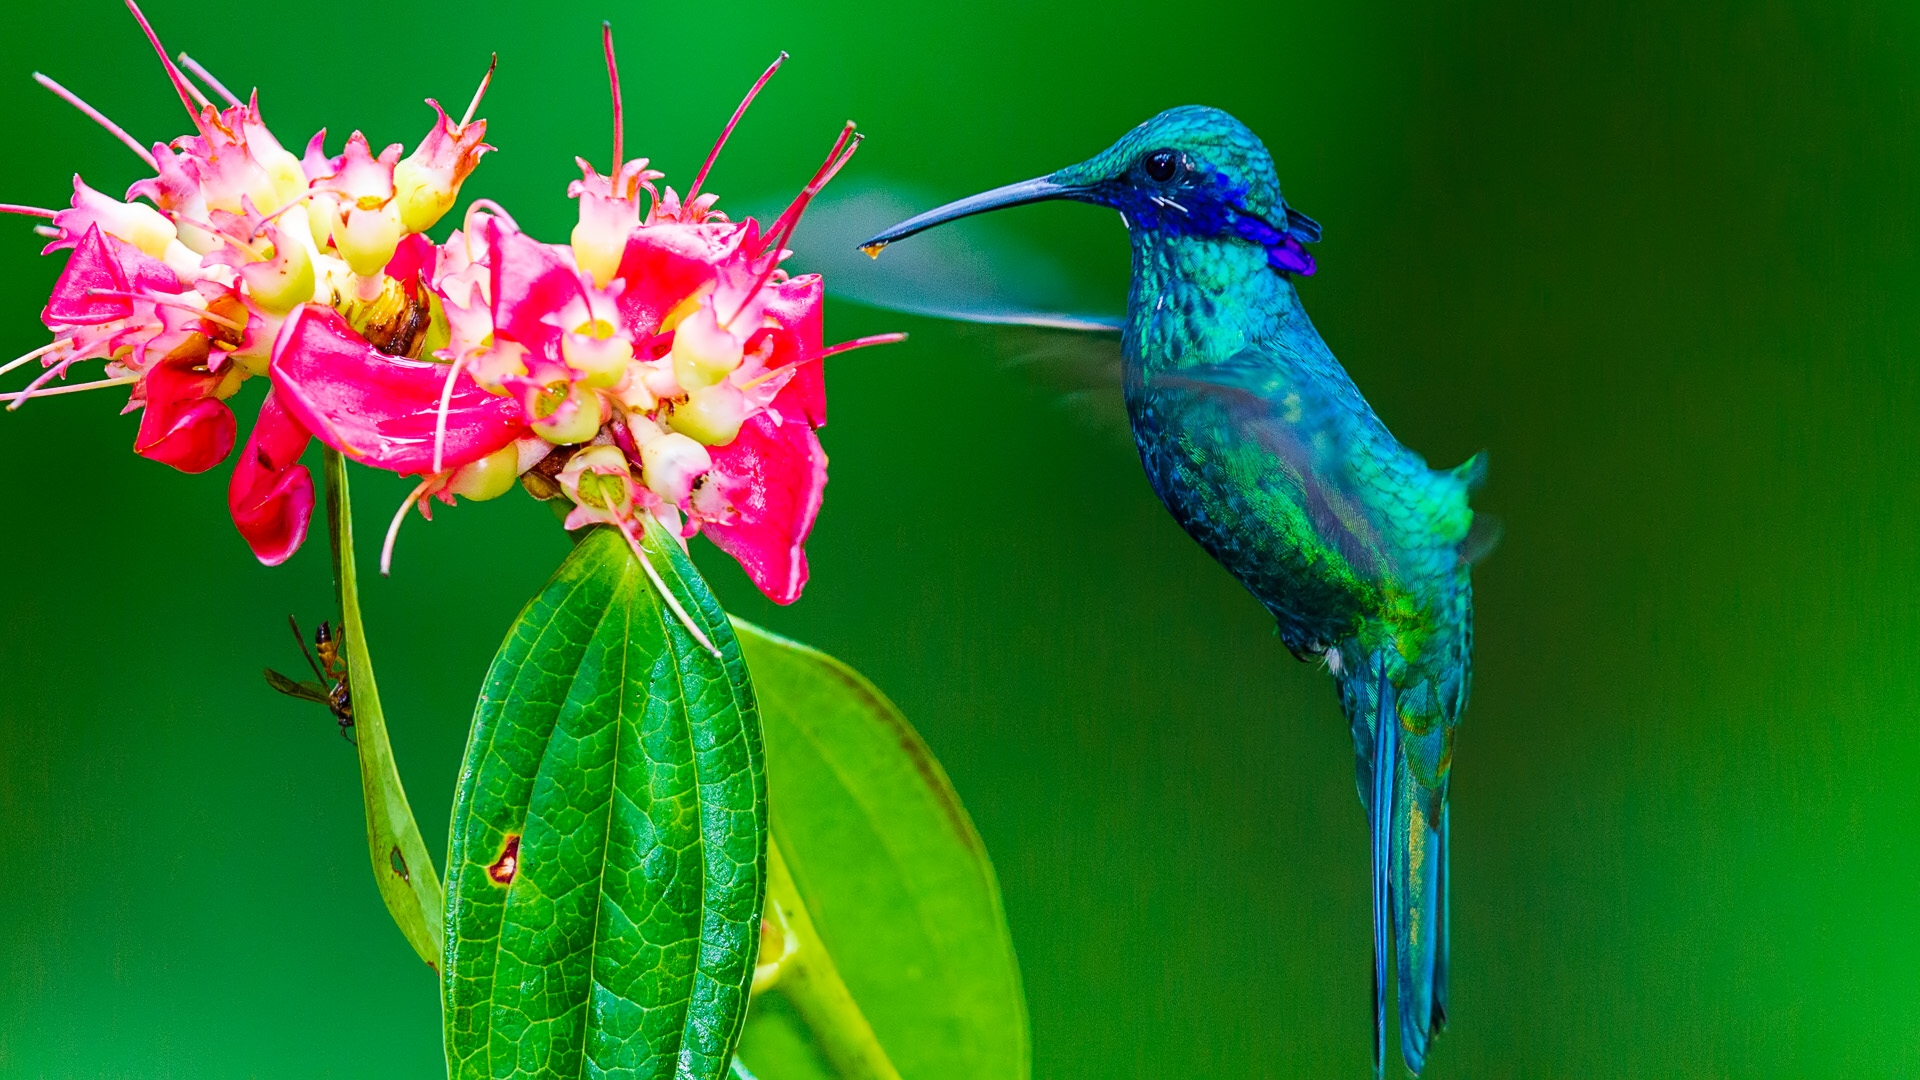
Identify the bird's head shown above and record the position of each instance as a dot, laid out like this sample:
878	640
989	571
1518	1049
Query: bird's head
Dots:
1188	172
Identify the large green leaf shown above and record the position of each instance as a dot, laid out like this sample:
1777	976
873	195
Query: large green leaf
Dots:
401	866
895	882
607	866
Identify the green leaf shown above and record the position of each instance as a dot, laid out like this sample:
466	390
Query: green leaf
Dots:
401	865
608	856
895	882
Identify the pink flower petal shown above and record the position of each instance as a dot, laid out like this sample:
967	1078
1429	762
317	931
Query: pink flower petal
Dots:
776	475
91	266
665	263
271	494
360	175
380	409
450	151
796	304
530	280
182	426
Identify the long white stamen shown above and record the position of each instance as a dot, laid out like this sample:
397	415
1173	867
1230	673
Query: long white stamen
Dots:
220	234
845	346
199	95
35	391
95	115
206	76
48	231
268	220
483	206
782	229
34	355
393	530
485	81
178	80
446	405
693	192
58	370
163	301
488	206
666	593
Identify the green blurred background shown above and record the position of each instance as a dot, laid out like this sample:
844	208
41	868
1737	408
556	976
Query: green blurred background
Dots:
1658	259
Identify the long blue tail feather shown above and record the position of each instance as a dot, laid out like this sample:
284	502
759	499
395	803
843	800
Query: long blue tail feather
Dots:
1380	819
1442	932
1416	859
1407	822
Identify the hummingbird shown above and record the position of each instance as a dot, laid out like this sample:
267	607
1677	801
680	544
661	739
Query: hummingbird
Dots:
1262	448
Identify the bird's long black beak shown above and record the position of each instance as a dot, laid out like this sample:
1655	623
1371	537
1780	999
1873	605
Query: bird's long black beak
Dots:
1026	191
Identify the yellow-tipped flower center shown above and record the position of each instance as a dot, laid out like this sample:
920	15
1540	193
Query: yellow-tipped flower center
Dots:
712	414
490	477
369	238
593	350
670	465
704	352
565	415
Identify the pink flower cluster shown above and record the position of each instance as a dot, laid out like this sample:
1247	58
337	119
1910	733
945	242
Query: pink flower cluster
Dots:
660	363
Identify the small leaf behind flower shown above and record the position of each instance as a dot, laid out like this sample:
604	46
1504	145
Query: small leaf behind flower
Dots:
895	880
608	856
401	865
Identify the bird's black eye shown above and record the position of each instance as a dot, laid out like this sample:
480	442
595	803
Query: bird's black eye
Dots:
1161	165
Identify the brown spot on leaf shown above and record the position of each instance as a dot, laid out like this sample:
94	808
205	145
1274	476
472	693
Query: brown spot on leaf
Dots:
399	863
508	864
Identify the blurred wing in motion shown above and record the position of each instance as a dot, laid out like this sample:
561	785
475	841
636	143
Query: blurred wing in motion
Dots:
967	270
1247	400
1020	298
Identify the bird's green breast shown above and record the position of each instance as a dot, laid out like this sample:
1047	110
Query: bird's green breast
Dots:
1262	448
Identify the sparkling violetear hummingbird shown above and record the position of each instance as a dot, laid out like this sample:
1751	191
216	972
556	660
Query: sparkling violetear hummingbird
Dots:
1263	449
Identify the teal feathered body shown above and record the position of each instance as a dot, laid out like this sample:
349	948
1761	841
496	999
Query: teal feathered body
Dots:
1265	451
1267	454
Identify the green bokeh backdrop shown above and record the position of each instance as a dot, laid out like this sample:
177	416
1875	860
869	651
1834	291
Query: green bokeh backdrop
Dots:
1659	259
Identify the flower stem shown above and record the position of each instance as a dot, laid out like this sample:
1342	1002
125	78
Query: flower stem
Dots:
806	975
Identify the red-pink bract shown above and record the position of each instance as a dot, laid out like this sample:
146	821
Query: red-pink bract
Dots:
271	494
379	409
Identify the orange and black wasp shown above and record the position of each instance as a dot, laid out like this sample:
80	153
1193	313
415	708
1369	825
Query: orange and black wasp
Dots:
330	670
